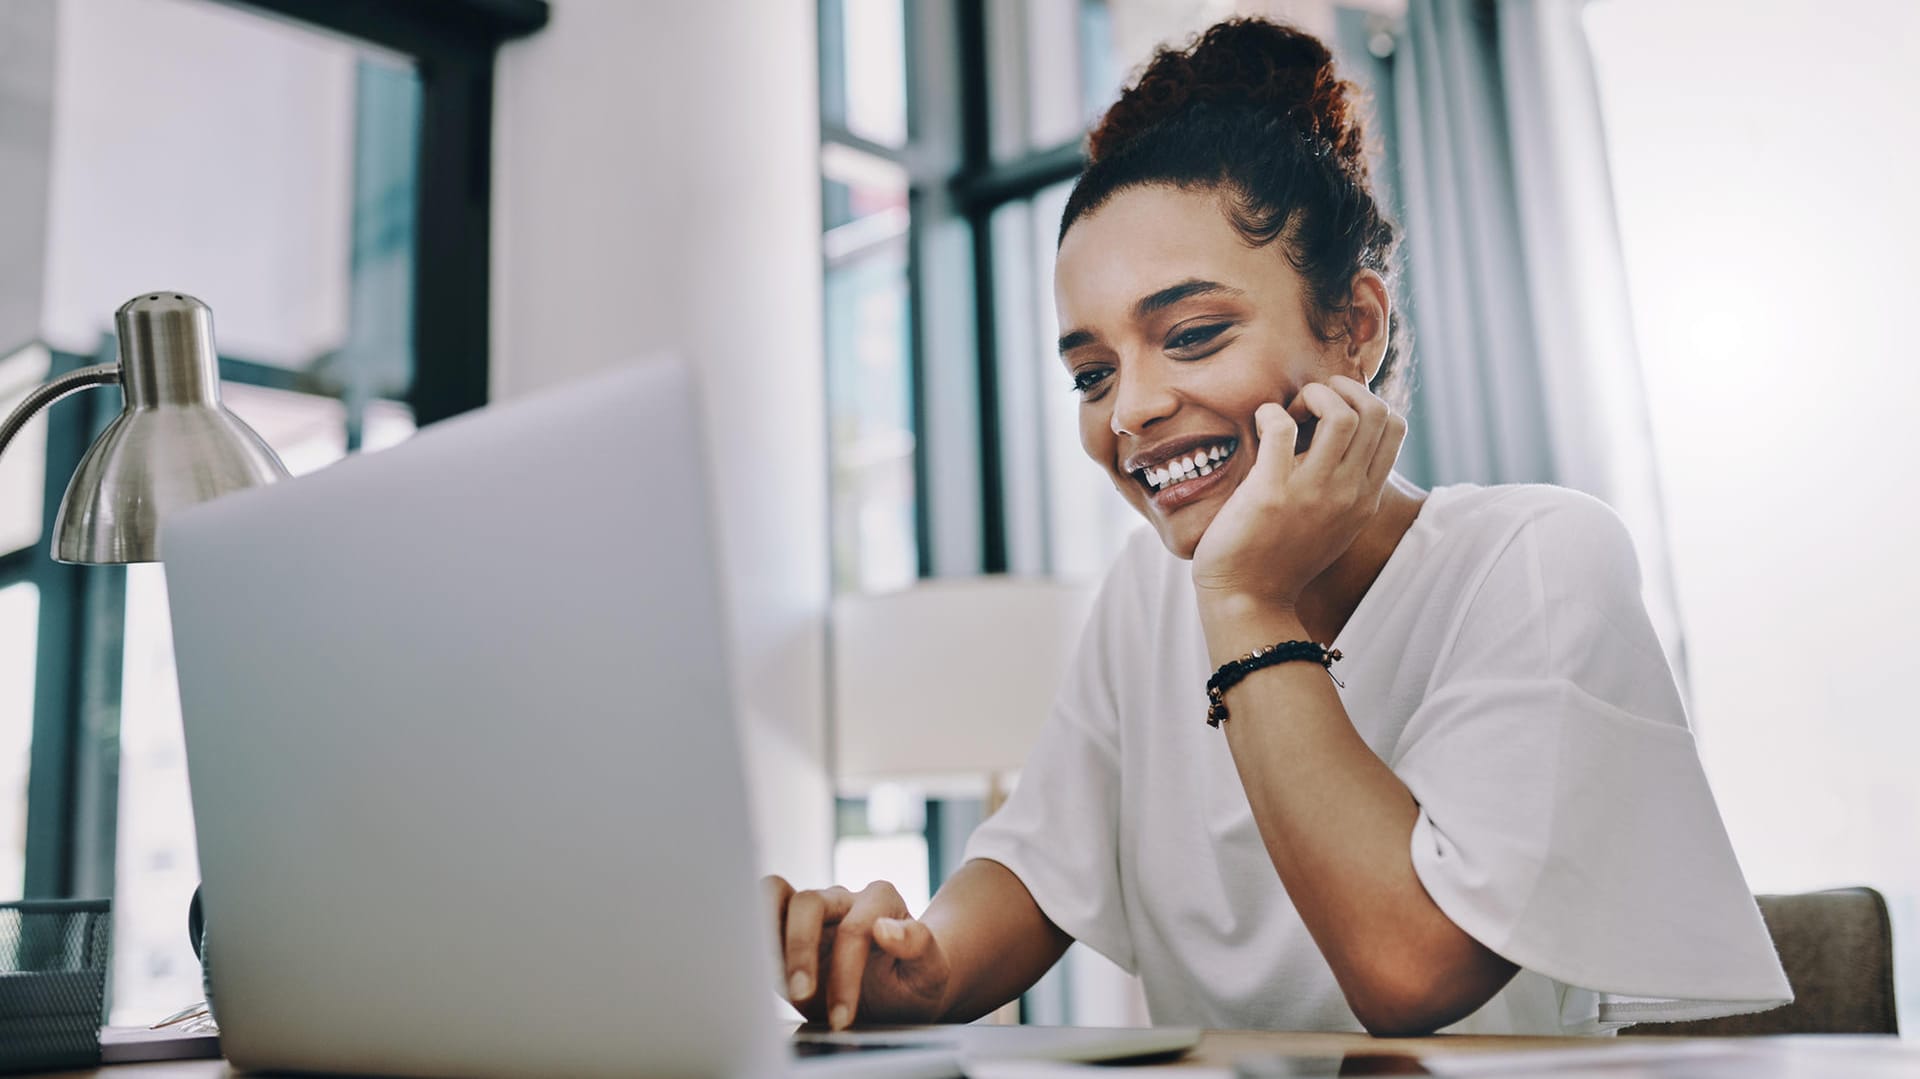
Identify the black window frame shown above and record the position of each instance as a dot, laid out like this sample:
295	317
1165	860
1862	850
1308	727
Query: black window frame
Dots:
959	183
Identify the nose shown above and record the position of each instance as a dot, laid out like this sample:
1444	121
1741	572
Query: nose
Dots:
1144	395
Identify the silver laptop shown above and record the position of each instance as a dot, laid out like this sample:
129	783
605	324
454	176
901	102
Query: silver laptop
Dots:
464	762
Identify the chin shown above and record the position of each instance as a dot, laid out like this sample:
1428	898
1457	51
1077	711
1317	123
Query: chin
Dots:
1181	534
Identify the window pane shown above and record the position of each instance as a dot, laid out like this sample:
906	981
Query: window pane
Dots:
276	184
869	403
883	836
1039	67
310	432
900	860
1025	377
865	201
19	623
157	865
23	471
863	68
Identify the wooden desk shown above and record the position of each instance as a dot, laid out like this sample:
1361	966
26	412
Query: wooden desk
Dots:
1832	1055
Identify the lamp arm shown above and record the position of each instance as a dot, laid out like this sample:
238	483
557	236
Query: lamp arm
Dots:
100	374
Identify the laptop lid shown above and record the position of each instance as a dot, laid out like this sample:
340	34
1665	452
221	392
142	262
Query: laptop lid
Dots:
463	756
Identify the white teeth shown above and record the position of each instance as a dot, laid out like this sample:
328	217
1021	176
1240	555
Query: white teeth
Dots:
1198	463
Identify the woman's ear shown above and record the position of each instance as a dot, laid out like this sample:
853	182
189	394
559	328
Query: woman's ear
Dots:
1369	321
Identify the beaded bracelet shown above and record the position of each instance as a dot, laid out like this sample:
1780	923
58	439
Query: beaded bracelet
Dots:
1232	671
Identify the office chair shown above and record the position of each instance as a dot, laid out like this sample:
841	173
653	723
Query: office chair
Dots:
1837	948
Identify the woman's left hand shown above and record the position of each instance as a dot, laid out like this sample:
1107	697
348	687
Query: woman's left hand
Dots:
1293	516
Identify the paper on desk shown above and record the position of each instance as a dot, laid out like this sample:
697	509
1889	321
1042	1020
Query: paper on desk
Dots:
132	1045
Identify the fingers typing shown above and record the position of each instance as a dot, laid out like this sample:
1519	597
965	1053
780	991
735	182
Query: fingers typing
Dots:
851	946
808	916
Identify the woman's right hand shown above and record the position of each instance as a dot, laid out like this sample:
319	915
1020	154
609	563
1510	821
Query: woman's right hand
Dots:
861	956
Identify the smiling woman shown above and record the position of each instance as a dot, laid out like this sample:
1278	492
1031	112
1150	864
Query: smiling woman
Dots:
1165	297
1497	823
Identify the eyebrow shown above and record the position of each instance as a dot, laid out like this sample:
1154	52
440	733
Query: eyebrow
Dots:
1185	290
1071	341
1155	303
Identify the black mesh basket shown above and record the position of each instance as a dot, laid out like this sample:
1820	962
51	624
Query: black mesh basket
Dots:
53	982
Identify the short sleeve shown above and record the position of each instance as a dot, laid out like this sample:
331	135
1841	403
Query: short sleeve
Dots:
1565	820
1059	830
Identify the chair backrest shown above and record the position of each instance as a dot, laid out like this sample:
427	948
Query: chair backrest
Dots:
1837	948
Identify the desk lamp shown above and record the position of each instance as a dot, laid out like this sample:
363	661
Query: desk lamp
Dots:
172	446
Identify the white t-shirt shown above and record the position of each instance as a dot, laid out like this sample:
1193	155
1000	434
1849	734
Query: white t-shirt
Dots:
1504	667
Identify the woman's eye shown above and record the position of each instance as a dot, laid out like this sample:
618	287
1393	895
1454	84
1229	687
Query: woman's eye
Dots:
1089	378
1195	336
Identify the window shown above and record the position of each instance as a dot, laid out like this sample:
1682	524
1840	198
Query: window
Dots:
295	219
19	614
315	174
951	135
20	487
868	250
21	509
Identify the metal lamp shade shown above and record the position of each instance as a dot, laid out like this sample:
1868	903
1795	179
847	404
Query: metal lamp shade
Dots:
174	445
147	464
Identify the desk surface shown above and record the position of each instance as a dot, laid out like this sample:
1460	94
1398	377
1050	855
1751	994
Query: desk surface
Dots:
1219	1049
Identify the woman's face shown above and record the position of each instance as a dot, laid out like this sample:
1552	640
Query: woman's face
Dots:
1174	330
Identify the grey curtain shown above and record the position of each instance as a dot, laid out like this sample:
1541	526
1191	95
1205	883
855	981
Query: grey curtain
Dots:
1494	159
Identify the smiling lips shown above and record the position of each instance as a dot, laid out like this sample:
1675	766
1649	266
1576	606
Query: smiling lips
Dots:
1175	482
1200	462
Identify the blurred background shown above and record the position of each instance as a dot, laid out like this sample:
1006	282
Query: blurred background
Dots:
1657	251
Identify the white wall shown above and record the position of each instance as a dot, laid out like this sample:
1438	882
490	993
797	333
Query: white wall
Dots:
657	190
1764	164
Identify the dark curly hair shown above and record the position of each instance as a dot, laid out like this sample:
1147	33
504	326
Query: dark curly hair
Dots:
1255	110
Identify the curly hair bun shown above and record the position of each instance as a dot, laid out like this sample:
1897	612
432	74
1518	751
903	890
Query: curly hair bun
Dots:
1243	63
